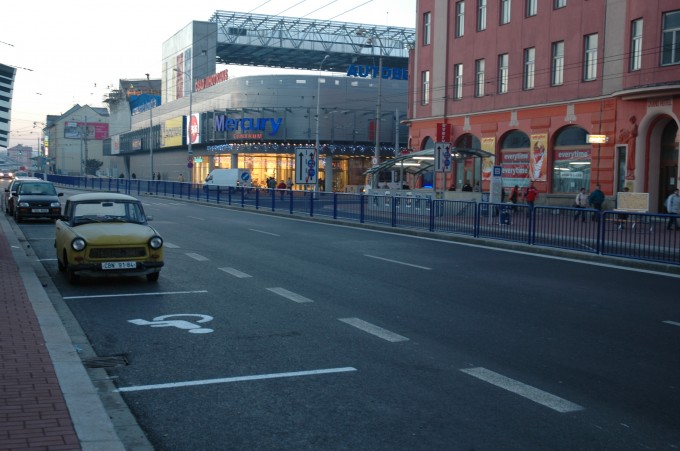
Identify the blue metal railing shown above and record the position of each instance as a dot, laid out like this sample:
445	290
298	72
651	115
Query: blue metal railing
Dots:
641	236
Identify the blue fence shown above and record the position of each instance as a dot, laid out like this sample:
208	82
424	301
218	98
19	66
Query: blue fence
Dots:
642	236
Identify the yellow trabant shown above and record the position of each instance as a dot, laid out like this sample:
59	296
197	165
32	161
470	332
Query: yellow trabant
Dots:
107	234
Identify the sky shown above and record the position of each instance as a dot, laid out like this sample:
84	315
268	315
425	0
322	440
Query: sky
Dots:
75	51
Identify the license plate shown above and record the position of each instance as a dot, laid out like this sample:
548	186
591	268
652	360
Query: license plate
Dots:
119	265
40	210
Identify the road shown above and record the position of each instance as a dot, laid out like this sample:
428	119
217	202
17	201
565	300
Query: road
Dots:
267	332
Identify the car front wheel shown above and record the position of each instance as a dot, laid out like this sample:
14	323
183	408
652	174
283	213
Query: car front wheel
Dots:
153	277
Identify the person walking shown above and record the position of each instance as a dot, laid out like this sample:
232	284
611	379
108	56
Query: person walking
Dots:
596	199
580	203
673	208
180	179
530	196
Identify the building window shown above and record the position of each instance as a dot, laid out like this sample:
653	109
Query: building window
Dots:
503	69
481	15
460	19
557	63
532	8
557	4
670	39
458	81
590	58
529	67
479	78
427	22
426	87
505	11
636	45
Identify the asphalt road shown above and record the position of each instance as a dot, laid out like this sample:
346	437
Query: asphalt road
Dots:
266	332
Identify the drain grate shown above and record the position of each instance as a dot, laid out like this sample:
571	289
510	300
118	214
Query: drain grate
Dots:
111	361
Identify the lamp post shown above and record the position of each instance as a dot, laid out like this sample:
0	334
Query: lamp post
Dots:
318	99
150	129
190	152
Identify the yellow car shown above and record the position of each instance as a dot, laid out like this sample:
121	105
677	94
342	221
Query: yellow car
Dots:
107	234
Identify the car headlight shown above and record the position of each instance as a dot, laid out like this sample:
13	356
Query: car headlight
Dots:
78	244
155	242
55	204
23	204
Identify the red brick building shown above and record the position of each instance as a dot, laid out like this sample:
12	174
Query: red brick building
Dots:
532	80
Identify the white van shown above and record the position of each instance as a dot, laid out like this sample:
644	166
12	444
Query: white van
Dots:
224	178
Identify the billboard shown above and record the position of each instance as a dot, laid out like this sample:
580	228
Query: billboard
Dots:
89	130
194	128
172	132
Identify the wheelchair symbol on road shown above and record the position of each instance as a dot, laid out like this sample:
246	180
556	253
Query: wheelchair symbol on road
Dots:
164	321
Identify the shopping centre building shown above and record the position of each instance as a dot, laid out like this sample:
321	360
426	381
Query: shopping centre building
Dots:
201	119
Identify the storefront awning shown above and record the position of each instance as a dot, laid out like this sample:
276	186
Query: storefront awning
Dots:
423	160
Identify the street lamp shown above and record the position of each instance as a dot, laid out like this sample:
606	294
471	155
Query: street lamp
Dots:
318	98
191	101
150	129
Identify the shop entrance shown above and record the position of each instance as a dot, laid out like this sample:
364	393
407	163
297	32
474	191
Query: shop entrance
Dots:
668	171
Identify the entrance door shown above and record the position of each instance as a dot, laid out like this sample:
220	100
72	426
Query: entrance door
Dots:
668	180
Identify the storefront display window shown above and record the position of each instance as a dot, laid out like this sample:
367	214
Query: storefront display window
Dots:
571	161
515	159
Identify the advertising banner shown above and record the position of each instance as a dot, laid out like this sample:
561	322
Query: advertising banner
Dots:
91	130
488	145
194	128
515	167
539	157
171	132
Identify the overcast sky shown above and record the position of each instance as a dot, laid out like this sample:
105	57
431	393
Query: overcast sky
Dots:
77	50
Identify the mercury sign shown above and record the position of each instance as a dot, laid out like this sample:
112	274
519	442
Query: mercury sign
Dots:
372	71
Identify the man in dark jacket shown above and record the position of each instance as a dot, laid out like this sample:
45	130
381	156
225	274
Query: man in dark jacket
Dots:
596	199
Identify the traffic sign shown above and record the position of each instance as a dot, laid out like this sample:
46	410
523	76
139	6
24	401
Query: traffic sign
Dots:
306	166
442	157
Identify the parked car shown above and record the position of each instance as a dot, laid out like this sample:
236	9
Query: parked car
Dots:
6	174
36	199
9	199
107	234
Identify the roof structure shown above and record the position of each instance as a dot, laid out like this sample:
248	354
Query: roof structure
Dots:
298	43
423	161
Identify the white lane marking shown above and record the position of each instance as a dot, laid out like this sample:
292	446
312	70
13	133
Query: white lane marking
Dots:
196	217
527	391
673	323
397	262
158	293
373	329
47	259
266	233
235	273
226	380
170	245
290	295
198	257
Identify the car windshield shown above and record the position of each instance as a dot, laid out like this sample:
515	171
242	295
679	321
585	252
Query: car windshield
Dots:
38	189
108	211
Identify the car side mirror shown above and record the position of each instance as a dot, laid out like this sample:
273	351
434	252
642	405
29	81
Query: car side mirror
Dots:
60	194
149	218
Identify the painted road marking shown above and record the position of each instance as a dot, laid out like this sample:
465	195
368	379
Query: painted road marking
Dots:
158	293
198	257
397	262
47	259
673	323
235	273
373	329
533	394
290	295
227	380
196	217
170	245
266	233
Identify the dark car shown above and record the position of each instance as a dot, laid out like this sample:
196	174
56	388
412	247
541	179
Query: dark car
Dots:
9	200
36	199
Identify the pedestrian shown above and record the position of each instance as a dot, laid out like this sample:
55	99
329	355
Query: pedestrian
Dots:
134	176
158	176
596	199
477	188
673	208
180	179
467	187
580	203
282	188
514	194
530	197
289	183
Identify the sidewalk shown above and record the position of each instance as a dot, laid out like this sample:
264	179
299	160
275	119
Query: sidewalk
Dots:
47	400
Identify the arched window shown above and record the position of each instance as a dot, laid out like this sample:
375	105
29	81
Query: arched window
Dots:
571	161
515	147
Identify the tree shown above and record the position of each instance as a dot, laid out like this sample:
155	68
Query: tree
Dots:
92	166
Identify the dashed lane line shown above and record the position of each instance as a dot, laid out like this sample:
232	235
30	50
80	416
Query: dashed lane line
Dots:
397	262
198	257
235	273
170	245
672	323
227	380
266	233
290	295
374	330
527	391
158	293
